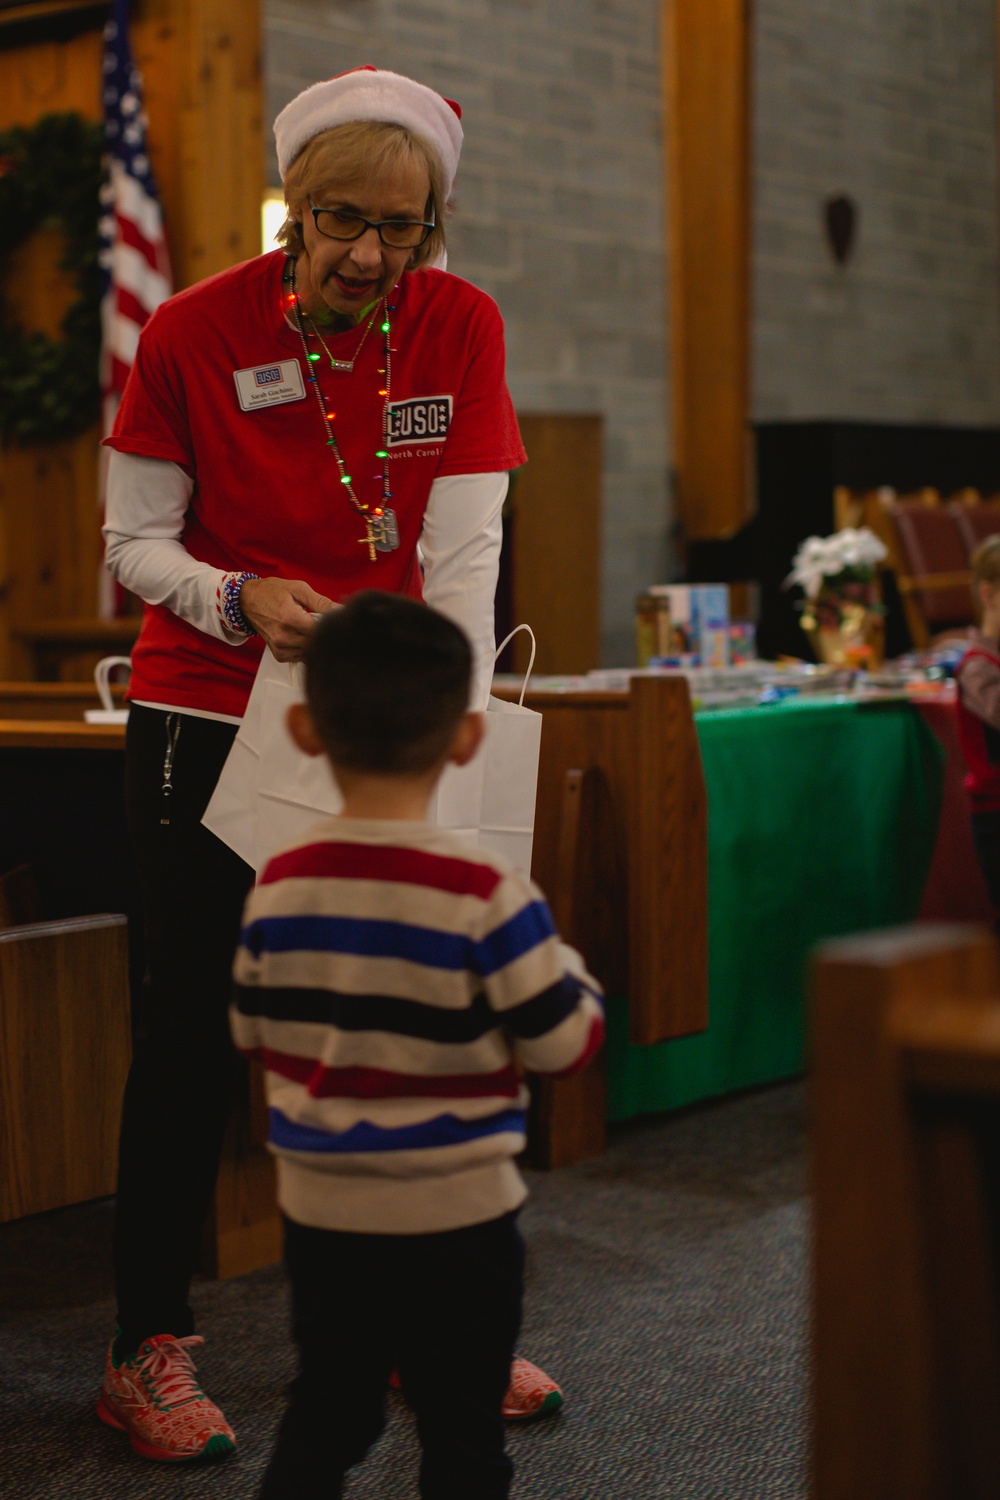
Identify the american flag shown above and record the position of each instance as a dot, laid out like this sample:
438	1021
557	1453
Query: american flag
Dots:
135	266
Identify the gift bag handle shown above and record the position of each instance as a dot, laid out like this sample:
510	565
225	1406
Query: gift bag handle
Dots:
531	659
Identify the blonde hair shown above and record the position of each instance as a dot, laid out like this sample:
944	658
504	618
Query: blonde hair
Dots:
347	156
986	561
985	568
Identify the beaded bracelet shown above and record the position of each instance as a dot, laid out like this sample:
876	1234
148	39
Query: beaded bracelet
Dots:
228	600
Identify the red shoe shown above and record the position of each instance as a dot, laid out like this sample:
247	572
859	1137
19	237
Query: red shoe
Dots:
155	1400
531	1393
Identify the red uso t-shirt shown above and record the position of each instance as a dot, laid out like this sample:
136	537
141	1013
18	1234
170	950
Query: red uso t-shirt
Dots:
220	386
980	745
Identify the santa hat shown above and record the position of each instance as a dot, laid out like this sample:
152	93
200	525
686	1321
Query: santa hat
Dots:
371	94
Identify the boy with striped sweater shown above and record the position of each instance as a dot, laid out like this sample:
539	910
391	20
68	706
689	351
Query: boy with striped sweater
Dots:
395	980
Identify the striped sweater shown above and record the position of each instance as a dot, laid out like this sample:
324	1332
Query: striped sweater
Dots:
395	980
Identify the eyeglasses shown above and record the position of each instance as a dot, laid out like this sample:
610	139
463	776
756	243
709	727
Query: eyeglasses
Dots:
398	234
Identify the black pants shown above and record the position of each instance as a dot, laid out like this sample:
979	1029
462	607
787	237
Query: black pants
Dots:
445	1310
986	837
184	1066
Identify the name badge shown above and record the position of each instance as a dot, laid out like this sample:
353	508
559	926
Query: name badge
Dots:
269	385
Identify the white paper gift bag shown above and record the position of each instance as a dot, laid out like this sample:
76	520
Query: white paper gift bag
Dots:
492	799
270	793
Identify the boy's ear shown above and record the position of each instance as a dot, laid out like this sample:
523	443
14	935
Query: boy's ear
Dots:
468	738
302	729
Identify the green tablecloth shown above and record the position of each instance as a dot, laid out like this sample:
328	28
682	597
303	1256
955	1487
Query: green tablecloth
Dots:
821	821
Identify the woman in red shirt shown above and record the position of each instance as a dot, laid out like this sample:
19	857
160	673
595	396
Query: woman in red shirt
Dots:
292	430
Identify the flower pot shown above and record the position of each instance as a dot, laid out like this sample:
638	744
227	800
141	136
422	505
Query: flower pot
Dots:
844	631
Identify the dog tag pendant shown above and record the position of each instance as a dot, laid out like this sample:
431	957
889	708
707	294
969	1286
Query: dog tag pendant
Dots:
387	540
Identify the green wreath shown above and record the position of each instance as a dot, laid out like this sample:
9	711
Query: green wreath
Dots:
50	177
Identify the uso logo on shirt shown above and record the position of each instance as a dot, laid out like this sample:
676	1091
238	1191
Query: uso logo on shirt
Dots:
424	419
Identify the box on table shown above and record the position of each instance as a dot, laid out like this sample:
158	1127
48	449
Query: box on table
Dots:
699	621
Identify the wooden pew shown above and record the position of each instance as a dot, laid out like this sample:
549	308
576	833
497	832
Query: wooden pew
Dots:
646	934
64	1053
52	701
906	1174
621	851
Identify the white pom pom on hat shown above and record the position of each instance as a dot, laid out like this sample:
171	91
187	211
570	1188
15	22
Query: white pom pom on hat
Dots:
369	93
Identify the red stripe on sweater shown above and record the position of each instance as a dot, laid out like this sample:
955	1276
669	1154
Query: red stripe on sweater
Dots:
404	866
379	1083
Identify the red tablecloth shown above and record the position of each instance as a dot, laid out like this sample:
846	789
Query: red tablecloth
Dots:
955	889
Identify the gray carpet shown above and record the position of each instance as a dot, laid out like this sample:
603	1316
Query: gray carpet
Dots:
666	1292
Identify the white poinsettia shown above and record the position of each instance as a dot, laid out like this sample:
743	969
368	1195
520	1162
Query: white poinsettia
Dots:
821	558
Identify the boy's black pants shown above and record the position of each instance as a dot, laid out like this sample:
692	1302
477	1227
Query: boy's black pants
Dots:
184	1065
444	1309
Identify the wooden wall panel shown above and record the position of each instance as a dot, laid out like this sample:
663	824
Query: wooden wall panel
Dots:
200	61
557	541
706	80
48	77
49	540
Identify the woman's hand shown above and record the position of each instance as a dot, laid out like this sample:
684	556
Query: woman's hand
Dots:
281	611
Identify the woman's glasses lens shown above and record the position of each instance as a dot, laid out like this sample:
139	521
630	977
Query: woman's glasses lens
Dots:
398	234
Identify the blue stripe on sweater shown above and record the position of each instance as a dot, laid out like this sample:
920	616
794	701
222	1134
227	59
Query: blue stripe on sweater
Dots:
527	929
442	1130
369	937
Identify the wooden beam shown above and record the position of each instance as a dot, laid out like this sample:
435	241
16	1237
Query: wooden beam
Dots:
706	82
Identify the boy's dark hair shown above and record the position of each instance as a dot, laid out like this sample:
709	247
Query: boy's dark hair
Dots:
387	681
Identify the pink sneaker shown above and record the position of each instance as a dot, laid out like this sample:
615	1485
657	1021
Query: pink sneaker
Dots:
530	1394
155	1399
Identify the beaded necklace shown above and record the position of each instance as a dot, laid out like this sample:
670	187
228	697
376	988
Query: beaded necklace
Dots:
381	529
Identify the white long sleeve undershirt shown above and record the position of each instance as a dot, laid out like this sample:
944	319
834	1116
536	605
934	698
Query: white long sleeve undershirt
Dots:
148	499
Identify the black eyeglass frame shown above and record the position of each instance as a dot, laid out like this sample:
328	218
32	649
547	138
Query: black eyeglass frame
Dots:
377	224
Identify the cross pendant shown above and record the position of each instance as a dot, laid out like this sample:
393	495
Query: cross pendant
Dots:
368	540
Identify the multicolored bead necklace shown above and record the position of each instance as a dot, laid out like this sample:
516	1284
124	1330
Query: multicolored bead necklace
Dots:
381	529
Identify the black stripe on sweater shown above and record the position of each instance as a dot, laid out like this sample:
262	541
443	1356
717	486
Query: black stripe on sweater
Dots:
324	1007
544	1012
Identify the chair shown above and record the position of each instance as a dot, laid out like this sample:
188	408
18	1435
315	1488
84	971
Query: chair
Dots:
906	1175
975	522
931	560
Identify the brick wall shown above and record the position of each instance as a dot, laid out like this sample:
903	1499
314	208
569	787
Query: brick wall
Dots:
892	102
560	214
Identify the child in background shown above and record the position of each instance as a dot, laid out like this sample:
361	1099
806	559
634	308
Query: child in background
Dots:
394	978
978	676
